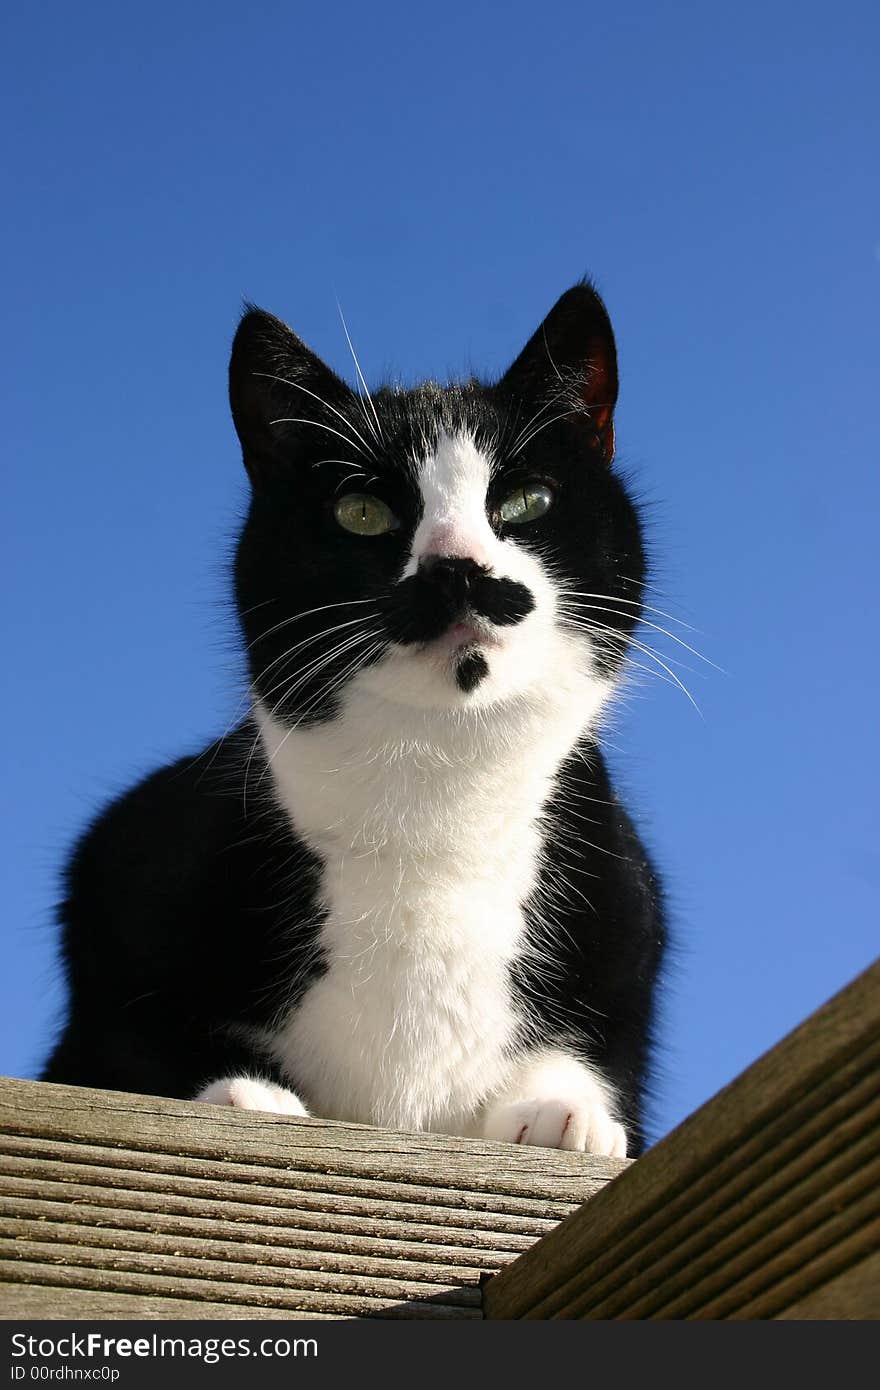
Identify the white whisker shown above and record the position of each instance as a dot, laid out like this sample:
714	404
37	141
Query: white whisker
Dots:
298	386
645	622
322	608
377	432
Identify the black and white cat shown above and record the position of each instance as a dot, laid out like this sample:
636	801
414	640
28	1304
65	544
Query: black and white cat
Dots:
403	892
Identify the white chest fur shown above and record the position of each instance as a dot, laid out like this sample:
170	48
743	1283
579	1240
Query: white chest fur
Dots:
430	841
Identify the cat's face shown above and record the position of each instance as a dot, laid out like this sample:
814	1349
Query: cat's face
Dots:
446	548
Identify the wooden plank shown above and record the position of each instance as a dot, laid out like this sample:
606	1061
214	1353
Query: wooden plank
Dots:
26	1302
849	1296
179	1261
322	1191
766	1192
220	1133
123	1231
193	1293
107	1196
160	1210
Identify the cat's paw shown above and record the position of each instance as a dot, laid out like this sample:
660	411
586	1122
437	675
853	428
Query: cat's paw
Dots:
246	1093
586	1126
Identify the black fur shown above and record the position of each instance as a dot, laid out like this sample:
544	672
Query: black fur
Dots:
470	670
172	929
442	592
608	934
191	909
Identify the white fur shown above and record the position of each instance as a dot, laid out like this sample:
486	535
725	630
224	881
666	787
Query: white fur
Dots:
247	1093
453	483
425	809
555	1101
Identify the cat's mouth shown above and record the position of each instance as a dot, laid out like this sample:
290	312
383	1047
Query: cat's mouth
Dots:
454	617
464	649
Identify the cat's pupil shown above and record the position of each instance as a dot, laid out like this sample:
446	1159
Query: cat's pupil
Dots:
364	515
528	503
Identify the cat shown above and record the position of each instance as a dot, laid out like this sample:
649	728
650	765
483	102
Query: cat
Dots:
403	892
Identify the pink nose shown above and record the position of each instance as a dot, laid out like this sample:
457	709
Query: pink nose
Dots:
448	540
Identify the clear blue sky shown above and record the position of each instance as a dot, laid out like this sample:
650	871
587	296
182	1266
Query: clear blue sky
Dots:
446	174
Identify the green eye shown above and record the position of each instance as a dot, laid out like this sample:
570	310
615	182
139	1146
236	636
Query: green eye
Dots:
364	515
530	501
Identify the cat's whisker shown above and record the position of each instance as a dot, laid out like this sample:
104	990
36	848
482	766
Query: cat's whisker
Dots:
646	622
264	603
309	612
247	772
307	642
633	603
322	695
564	415
319	424
612	634
581	613
314	670
358	475
558	373
602	640
547	405
377	432
289	688
651	671
298	386
308	672
355	666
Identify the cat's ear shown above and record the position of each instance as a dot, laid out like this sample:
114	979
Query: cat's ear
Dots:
282	396
571	361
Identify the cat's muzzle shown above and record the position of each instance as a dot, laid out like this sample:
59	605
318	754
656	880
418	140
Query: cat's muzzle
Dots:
447	590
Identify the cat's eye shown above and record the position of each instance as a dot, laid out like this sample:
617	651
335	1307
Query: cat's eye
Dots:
526	503
364	515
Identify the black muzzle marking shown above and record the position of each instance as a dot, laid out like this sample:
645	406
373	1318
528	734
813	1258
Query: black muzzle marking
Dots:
445	590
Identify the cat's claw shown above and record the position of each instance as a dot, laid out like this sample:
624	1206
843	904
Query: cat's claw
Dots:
246	1093
557	1124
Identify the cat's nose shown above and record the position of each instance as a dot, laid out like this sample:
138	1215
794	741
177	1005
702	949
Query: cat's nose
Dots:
452	574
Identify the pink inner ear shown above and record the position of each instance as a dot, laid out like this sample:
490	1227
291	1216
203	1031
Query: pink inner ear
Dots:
599	390
599	394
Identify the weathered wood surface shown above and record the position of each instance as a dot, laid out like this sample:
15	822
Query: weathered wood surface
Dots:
763	1204
851	1295
116	1205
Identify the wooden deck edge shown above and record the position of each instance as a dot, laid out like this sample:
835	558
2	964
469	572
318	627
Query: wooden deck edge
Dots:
109	1200
763	1204
766	1196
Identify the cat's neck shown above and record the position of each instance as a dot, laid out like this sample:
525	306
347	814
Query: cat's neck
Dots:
381	778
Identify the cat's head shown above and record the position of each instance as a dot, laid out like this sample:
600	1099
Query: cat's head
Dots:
446	547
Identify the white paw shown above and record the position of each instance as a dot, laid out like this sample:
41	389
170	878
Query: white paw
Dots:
244	1093
557	1124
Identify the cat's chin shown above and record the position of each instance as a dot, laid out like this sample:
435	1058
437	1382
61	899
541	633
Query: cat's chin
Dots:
444	676
451	675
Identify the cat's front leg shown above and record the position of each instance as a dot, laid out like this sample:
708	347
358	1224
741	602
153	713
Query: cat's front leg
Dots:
251	1093
556	1101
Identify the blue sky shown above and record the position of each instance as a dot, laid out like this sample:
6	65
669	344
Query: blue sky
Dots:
446	177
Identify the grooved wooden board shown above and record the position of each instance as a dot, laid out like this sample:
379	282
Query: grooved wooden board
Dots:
765	1204
132	1206
765	1201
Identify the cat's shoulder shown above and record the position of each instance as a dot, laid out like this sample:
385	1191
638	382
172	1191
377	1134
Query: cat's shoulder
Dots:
176	813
